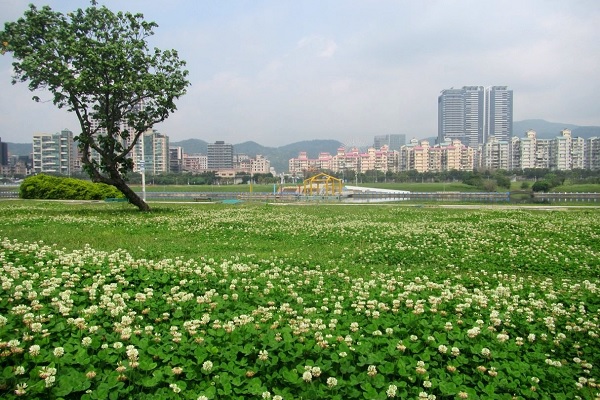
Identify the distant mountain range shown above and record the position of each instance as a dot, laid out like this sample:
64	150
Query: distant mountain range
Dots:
549	130
279	156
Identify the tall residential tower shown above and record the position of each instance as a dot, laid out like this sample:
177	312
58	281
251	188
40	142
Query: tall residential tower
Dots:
498	113
472	114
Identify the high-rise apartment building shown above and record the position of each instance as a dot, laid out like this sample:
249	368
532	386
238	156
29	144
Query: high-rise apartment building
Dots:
54	153
472	114
382	159
524	151
498	113
220	156
3	153
151	153
176	159
567	152
260	165
451	115
447	156
592	154
495	154
461	115
194	163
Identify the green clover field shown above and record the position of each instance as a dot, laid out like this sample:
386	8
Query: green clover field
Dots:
258	301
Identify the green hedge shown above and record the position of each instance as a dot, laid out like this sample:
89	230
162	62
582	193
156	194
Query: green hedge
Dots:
43	186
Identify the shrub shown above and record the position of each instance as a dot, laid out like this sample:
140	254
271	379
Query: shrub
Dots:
43	186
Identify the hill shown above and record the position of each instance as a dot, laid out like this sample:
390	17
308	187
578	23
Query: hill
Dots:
191	146
278	156
19	149
549	130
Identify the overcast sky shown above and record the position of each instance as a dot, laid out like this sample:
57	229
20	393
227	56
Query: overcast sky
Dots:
279	71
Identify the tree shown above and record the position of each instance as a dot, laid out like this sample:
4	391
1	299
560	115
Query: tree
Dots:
541	186
97	64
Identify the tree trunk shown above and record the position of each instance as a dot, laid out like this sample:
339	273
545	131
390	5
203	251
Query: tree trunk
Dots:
119	183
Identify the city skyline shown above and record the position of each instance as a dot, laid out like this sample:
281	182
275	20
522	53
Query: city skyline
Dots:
277	73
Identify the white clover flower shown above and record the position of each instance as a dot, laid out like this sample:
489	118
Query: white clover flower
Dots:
307	376
455	351
207	366
413	338
391	391
473	332
132	352
331	382
389	331
486	352
59	352
263	355
175	388
49	381
372	370
343	354
442	349
117	345
45	372
266	395
502	337
277	397
34	350
19	370
21	389
86	341
120	367
426	384
519	341
463	395
315	371
202	397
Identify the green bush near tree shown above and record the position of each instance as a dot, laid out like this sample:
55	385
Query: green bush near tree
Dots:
43	186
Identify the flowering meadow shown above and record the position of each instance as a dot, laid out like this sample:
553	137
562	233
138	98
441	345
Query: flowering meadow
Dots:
298	302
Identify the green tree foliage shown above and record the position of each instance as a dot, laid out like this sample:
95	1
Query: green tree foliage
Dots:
43	186
542	186
97	64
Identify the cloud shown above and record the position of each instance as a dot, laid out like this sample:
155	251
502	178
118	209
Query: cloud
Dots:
277	72
319	45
